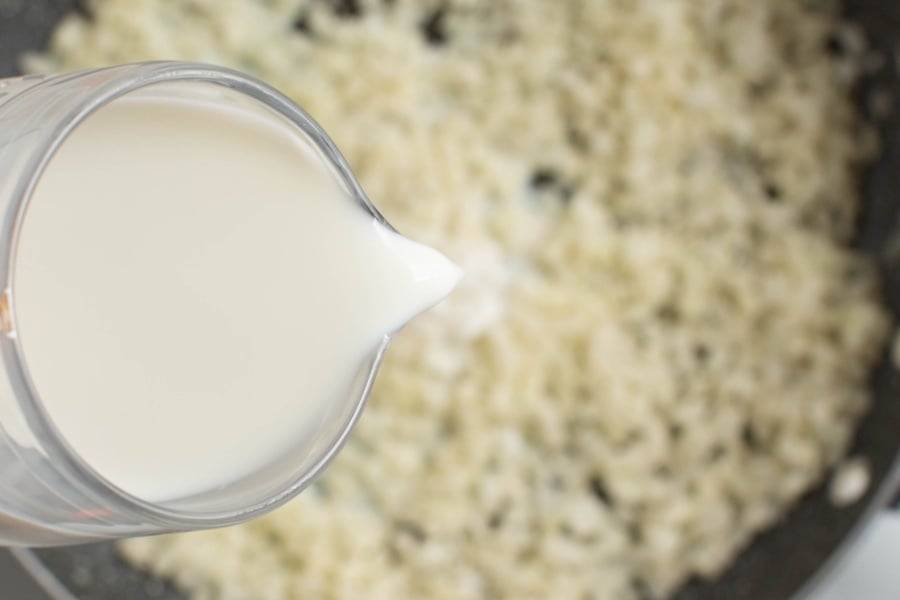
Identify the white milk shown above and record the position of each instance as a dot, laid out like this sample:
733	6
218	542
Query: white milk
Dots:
193	290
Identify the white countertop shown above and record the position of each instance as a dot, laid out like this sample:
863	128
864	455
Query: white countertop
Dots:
872	570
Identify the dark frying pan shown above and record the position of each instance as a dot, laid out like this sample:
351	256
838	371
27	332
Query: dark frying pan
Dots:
784	561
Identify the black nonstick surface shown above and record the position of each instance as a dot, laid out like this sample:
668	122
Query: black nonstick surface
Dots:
781	561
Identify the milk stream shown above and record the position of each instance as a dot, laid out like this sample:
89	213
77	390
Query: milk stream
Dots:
193	290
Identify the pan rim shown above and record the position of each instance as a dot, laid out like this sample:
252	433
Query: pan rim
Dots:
881	501
41	574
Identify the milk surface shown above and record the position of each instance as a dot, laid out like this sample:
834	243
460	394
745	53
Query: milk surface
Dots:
193	290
